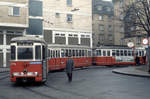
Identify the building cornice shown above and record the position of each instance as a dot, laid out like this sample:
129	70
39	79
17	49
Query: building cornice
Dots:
13	25
66	29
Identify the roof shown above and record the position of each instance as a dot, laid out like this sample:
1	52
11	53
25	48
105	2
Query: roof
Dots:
28	39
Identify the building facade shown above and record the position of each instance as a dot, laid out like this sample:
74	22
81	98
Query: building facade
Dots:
118	22
103	23
68	22
129	33
13	22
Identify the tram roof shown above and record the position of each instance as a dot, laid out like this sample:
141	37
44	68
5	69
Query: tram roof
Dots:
28	39
67	46
112	47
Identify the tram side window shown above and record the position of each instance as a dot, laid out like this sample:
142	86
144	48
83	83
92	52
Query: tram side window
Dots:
70	54
86	53
104	53
44	52
79	52
129	53
125	52
121	52
53	53
66	54
62	53
136	53
82	52
13	52
58	53
113	52
73	52
37	52
140	53
117	53
108	53
89	53
49	53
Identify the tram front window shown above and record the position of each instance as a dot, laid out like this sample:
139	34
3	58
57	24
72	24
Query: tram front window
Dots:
25	53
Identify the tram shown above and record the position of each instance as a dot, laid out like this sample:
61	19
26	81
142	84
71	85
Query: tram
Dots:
28	59
58	55
111	55
141	54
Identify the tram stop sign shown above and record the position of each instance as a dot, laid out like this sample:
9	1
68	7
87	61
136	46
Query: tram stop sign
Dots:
145	41
130	44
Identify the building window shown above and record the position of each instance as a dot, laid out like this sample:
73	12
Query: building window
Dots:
110	37
121	4
101	37
109	28
110	18
99	8
101	17
69	2
69	17
14	11
101	27
108	9
57	15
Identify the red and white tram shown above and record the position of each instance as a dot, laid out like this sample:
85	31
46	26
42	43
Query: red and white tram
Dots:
141	53
107	55
58	55
28	59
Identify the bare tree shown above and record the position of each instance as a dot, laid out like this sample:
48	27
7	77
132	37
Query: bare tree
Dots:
137	20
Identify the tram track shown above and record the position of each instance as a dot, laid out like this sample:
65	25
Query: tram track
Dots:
4	77
47	95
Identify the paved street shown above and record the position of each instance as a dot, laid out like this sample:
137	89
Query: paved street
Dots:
92	83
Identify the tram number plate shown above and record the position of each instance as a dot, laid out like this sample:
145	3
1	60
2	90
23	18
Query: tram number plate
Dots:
35	62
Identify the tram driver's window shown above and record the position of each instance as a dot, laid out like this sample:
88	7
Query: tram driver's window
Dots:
13	52
37	52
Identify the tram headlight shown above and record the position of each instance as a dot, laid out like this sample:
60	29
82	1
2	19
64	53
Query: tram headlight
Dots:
15	74
30	73
36	73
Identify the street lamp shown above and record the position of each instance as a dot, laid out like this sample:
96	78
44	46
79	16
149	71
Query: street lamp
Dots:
75	9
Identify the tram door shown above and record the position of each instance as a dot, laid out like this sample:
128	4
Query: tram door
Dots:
44	62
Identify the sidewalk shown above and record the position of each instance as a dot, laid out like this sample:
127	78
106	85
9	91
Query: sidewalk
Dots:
4	70
140	71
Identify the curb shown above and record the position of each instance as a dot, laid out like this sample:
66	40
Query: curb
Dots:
132	73
2	70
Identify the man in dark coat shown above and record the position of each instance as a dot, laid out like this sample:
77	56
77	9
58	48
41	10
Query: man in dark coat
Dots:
69	68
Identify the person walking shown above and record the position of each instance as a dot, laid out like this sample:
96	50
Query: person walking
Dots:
69	68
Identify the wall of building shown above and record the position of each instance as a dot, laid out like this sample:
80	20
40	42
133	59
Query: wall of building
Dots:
103	23
13	23
55	19
118	22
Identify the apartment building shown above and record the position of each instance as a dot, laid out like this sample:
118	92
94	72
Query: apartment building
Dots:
68	22
118	22
103	23
129	33
13	22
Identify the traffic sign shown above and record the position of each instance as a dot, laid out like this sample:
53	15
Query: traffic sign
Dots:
145	41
